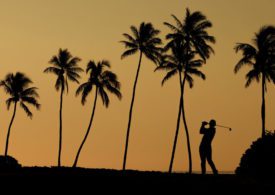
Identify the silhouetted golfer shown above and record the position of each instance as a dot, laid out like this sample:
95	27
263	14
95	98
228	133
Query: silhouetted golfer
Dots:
205	146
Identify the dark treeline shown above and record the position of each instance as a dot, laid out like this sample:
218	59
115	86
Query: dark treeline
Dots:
187	48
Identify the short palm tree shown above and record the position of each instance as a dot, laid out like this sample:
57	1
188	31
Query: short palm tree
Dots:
103	81
146	42
175	65
261	59
192	33
65	67
17	87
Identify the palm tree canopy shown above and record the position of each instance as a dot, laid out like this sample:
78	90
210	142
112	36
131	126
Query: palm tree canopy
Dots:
175	63
104	80
192	30
144	40
260	56
17	87
65	67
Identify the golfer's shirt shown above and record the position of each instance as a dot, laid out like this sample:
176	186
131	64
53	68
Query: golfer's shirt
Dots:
208	135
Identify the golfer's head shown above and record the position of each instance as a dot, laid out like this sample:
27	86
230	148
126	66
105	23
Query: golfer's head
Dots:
212	123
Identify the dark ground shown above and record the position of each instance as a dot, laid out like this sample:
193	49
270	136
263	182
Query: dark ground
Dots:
43	180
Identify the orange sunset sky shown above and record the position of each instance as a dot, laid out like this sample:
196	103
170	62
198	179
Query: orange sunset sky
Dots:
32	31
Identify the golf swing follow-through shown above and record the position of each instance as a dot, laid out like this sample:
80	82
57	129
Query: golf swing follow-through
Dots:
205	146
223	127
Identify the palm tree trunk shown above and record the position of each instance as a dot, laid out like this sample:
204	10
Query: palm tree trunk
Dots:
8	135
60	126
263	105
185	125
130	113
183	111
176	135
87	132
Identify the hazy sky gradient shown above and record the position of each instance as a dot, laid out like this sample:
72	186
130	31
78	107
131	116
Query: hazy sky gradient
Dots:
32	31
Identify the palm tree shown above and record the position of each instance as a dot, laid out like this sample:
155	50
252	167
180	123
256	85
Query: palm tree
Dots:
104	81
192	33
65	67
17	87
261	59
146	42
175	64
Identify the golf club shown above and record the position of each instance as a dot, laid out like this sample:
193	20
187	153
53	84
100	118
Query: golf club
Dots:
224	127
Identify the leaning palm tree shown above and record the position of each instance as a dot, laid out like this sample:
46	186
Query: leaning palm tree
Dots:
192	33
103	81
65	67
175	65
17	87
261	59
146	42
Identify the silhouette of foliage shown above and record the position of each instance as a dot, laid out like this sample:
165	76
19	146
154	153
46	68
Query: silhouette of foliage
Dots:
65	67
175	64
261	59
17	87
146	42
192	36
8	162
104	81
259	159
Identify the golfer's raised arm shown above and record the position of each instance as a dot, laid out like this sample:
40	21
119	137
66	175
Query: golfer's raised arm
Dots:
203	129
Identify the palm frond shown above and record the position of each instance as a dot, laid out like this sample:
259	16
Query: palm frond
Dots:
251	76
128	44
196	72
189	80
243	61
66	84
60	82
178	22
91	66
7	87
129	37
72	77
114	90
55	61
105	63
85	88
128	53
54	70
73	62
30	92
26	109
247	49
31	100
169	75
104	96
65	68
9	101
203	25
172	27
135	32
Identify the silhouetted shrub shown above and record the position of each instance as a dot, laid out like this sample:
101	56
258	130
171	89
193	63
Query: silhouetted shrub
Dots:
8	163
259	159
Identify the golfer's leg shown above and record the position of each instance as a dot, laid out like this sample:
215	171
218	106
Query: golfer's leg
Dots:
210	161
203	161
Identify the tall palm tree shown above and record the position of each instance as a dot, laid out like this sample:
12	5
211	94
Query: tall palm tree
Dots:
175	64
192	33
17	87
65	67
261	59
103	81
146	42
